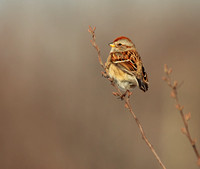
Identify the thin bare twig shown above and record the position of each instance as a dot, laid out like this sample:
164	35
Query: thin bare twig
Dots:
126	100
127	103
185	117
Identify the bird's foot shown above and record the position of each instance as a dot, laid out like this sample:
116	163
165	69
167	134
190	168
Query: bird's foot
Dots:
128	93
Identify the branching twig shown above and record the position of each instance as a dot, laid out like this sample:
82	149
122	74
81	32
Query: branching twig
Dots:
185	117
95	45
126	100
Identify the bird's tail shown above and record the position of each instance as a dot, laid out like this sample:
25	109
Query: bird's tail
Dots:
143	85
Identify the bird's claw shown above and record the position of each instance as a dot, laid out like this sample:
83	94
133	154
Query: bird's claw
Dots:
128	93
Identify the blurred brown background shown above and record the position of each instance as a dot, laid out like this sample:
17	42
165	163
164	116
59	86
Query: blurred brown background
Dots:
57	112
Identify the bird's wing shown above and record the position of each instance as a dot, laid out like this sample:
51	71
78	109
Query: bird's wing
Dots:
131	63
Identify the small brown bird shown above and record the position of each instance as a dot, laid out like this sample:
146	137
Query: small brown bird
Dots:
124	65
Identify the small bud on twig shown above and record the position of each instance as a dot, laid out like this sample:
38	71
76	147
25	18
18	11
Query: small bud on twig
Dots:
126	105
194	141
104	74
179	107
173	95
164	78
175	84
115	94
187	116
184	130
169	71
165	69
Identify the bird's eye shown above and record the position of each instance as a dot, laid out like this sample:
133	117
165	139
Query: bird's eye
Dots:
120	44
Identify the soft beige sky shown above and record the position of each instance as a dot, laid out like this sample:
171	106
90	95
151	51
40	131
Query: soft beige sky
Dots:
56	109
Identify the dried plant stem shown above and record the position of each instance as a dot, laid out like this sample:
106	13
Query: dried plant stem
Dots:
126	100
179	107
143	134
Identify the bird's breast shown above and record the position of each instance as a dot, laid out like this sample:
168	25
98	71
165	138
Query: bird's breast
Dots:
124	80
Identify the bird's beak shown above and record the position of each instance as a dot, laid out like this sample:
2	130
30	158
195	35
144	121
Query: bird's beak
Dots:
111	44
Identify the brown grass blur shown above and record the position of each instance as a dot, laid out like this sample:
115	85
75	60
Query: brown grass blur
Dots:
57	112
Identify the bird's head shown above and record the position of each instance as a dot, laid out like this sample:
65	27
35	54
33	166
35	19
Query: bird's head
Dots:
121	44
